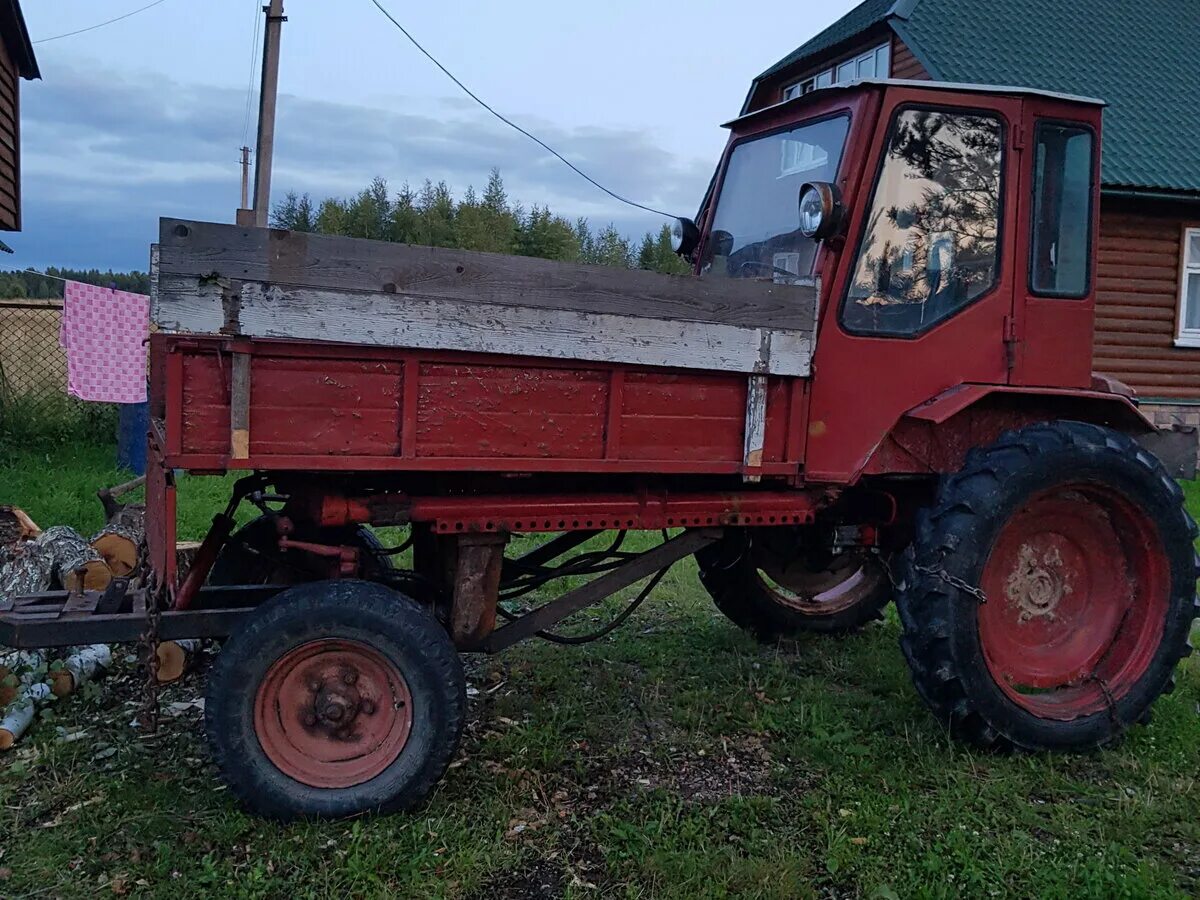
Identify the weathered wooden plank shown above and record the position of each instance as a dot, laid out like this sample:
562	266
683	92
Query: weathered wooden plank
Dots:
192	305
239	407
756	424
294	259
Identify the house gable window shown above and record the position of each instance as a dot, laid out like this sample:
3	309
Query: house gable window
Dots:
875	63
1189	291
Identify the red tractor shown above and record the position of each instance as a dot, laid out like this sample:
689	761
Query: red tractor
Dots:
878	385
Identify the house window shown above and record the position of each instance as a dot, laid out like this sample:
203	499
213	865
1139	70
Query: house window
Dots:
875	63
1189	291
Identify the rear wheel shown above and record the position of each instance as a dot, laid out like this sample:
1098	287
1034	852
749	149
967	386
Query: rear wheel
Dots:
1050	590
335	698
774	597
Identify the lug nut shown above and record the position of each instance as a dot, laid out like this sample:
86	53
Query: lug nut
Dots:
367	707
350	677
314	685
310	719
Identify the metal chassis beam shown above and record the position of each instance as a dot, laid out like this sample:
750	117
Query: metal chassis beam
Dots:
59	619
599	588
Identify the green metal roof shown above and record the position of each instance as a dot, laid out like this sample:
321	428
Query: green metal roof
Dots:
1139	56
863	17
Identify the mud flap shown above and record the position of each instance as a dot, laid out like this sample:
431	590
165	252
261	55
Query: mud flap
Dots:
1177	447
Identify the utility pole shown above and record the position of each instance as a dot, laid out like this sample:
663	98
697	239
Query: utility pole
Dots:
265	151
245	178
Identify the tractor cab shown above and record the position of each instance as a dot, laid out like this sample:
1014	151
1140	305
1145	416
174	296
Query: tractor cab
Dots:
952	230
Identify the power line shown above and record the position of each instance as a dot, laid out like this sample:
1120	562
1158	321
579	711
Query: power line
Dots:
253	66
511	124
101	24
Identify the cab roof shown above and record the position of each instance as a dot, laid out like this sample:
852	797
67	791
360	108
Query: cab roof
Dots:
1004	90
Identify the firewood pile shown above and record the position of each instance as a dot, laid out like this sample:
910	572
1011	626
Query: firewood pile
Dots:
34	560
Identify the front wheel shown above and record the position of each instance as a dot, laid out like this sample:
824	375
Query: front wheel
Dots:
335	698
1050	590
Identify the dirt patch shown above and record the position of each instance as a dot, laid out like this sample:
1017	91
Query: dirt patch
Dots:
539	880
740	766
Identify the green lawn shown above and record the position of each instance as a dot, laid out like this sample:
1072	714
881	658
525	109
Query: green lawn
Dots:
675	758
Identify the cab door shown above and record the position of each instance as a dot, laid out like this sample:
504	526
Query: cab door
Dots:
923	286
1051	330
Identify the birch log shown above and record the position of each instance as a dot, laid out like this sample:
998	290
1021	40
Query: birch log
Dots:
19	715
80	667
25	568
76	566
20	667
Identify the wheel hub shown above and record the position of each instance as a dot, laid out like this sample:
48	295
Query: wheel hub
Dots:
333	713
1038	582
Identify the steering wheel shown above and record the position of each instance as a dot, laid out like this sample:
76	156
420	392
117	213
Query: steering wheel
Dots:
775	270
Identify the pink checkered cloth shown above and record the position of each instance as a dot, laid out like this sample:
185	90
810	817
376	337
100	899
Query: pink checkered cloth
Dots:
104	333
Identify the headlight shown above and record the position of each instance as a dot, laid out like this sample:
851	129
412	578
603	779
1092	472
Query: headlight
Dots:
820	210
676	235
812	213
684	237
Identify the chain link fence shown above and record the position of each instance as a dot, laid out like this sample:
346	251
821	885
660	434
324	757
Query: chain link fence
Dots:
33	365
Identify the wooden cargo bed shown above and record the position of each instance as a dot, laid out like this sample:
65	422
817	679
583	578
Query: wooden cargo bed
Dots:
280	350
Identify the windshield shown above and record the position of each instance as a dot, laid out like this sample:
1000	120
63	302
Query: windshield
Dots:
755	231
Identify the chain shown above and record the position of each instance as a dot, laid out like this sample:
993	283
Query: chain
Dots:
953	580
149	644
1109	700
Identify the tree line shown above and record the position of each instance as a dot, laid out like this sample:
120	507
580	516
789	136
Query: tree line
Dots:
18	283
432	216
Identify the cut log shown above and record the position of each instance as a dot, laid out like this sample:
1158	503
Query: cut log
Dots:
120	546
25	568
15	525
19	715
185	556
175	658
76	566
79	668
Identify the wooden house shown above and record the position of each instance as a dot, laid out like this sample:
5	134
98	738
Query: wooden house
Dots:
17	61
1142	59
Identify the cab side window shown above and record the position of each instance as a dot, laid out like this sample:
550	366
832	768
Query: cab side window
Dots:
931	242
1062	211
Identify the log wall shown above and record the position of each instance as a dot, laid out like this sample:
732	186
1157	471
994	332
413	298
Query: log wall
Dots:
904	64
1137	300
10	144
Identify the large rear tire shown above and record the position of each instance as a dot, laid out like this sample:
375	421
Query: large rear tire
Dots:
1050	590
335	698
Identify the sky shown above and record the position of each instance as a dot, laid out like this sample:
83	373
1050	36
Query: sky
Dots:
144	118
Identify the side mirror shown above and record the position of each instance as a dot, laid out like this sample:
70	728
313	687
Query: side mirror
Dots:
684	237
821	210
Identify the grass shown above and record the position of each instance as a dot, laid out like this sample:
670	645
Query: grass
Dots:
676	758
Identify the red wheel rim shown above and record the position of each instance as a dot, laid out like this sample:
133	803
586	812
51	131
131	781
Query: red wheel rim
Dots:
333	713
851	578
1077	592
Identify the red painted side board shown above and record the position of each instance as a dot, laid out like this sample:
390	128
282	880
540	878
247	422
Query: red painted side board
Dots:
346	408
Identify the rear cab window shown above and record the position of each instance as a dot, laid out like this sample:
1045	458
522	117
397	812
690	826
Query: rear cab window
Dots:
1061	245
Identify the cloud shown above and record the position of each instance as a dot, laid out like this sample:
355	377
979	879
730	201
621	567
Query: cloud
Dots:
106	154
